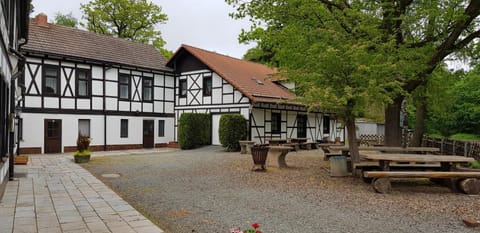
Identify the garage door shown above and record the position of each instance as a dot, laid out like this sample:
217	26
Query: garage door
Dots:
215	127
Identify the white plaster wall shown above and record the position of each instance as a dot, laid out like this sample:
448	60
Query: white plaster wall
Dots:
33	129
67	70
158	80
369	128
51	102
291	122
170	81
169	94
124	105
158	93
51	62
97	103
169	107
97	87
68	103
111	74
158	105
135	130
136	107
111	103
33	101
148	107
169	130
83	104
97	72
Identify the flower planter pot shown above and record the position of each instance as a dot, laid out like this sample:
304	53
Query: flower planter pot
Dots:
81	158
21	160
259	156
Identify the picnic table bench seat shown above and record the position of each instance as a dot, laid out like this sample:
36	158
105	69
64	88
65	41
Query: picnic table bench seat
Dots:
467	182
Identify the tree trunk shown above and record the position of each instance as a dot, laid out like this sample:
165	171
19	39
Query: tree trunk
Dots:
393	131
352	138
421	111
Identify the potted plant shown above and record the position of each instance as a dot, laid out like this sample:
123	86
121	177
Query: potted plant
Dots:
259	156
82	154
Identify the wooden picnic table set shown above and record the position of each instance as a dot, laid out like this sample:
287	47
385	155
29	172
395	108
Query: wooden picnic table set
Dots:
381	164
278	149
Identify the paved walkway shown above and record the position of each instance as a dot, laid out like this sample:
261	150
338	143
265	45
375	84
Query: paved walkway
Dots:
53	194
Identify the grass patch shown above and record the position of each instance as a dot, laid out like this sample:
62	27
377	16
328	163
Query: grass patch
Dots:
474	164
465	136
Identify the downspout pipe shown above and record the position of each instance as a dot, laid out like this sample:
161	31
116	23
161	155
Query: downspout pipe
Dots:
11	118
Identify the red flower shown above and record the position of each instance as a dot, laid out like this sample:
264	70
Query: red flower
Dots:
255	225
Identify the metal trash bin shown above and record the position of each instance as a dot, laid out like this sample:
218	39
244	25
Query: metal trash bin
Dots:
338	166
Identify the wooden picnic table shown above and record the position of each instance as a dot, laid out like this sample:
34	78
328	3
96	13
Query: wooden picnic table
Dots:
298	140
275	142
387	149
468	181
276	155
326	146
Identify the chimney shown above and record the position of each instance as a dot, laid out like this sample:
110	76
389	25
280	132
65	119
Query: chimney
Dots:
42	20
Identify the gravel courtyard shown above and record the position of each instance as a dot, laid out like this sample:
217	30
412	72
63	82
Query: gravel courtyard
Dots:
209	190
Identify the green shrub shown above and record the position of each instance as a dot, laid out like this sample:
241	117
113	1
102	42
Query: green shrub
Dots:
233	127
194	130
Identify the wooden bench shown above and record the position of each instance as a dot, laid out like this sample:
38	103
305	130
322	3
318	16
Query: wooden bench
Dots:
467	182
277	154
362	167
245	146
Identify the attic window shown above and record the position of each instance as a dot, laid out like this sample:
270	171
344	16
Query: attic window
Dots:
258	82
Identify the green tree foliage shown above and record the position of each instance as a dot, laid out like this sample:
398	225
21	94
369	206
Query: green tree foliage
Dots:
453	102
194	130
131	19
421	34
260	55
441	99
67	20
233	128
339	60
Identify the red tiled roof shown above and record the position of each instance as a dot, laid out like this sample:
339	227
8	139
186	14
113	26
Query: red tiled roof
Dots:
66	41
243	75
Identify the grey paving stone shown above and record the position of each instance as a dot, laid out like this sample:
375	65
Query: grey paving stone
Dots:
58	195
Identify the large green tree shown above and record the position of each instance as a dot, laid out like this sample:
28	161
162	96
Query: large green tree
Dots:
423	31
67	20
339	59
131	19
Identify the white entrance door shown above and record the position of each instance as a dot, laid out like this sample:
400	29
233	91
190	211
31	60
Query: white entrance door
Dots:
215	127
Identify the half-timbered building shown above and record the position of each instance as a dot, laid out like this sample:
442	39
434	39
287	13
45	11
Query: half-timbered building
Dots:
117	92
13	34
208	82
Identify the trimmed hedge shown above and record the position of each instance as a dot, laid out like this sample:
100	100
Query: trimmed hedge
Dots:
194	130
233	127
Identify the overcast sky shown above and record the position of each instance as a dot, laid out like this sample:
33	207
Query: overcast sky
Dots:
200	23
